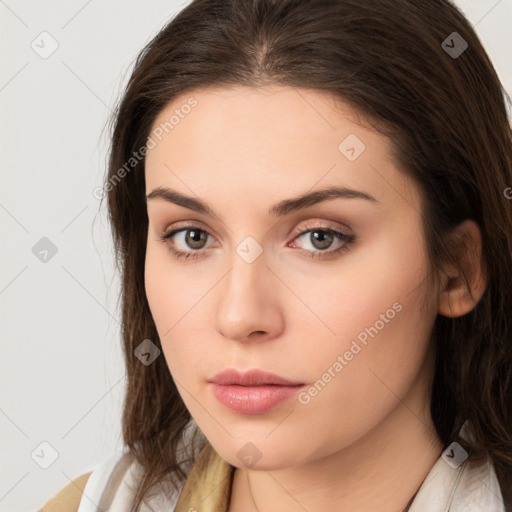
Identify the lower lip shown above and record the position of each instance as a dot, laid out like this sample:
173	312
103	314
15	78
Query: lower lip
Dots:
253	399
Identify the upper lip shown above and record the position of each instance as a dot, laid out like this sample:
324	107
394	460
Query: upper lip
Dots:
253	377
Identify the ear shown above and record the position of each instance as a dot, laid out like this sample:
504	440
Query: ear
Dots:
456	299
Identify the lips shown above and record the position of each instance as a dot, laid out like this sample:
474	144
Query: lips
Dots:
253	392
253	377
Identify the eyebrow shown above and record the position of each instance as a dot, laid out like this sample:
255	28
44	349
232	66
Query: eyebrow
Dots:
280	209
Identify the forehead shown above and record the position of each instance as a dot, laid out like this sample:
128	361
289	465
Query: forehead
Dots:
255	116
273	137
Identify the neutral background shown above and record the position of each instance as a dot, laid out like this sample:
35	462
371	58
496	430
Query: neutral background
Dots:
61	368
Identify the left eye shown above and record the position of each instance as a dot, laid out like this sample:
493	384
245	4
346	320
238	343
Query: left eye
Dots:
321	239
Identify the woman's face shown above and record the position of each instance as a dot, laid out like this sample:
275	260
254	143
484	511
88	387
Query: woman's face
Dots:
267	283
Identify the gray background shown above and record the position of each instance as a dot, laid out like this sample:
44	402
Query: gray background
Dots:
61	368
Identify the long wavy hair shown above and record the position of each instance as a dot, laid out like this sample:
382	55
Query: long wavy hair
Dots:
446	116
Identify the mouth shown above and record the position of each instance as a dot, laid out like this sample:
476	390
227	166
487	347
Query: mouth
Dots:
254	377
253	392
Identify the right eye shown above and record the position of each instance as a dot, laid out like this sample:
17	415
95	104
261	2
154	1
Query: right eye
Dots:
187	236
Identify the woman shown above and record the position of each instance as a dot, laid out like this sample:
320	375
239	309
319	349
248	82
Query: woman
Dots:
310	210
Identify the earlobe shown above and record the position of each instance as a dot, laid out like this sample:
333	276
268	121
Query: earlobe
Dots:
456	299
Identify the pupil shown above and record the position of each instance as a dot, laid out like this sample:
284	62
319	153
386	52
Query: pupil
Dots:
196	236
323	237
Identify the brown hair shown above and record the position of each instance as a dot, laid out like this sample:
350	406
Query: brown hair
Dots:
446	117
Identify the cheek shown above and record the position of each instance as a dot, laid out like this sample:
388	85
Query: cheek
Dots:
376	308
162	285
156	287
366	289
371	370
177	300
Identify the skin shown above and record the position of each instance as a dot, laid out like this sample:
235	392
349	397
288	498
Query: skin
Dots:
365	441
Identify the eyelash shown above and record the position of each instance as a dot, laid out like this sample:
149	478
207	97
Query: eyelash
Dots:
322	255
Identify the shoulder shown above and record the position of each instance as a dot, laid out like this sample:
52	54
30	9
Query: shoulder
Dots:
68	498
478	488
113	482
459	486
92	484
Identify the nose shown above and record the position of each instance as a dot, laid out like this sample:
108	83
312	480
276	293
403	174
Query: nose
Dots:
247	302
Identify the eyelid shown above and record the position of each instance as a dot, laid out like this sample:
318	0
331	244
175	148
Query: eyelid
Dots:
325	224
183	225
